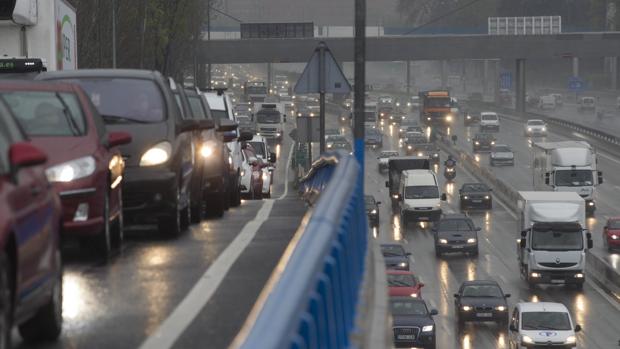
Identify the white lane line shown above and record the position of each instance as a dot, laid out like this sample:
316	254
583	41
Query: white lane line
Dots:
609	158
288	166
604	294
183	315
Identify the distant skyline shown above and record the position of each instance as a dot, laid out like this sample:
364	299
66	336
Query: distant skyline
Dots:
321	12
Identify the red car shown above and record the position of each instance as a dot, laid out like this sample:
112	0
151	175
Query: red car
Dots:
30	259
84	164
403	284
611	233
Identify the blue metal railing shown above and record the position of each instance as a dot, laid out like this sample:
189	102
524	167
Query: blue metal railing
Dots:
314	290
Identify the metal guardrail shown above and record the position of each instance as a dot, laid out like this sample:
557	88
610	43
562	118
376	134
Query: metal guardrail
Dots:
310	300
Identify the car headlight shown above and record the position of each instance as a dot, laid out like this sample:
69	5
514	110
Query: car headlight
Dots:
487	197
529	129
465	197
373	211
242	173
443	241
408	104
492	142
571	340
471	240
329	146
477	143
157	155
590	203
265	176
527	340
206	150
427	328
420	153
466	308
382	114
544	129
448	117
435	155
409	147
500	308
535	275
71	170
402	264
414	295
614	237
468	117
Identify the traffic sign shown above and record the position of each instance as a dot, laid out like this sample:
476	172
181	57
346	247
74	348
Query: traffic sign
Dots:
505	80
308	129
310	79
576	84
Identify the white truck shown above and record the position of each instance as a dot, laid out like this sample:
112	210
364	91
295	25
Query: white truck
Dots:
554	241
270	119
38	29
567	166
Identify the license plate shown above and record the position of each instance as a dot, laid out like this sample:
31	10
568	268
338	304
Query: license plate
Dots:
423	218
557	281
484	314
476	201
406	336
456	247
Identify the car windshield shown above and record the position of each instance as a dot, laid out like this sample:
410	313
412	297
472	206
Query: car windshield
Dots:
401	280
535	123
488	117
46	114
342	145
475	187
268	117
125	100
332	132
545	320
259	148
482	291
573	178
484	136
421	192
455	225
392	250
437	102
408	307
613	224
244	119
557	240
502	149
219	114
256	90
197	108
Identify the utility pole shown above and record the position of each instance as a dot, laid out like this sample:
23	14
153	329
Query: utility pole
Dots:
360	84
208	40
114	34
142	34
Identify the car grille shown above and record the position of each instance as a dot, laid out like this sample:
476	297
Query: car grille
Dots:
484	309
584	195
407	330
458	241
558	265
268	129
423	208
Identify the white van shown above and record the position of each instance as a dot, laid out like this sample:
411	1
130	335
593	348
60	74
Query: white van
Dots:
489	121
547	102
542	324
419	197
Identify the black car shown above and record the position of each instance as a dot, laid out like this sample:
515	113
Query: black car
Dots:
475	195
372	210
483	141
159	163
212	158
455	233
373	137
426	149
395	256
481	301
412	323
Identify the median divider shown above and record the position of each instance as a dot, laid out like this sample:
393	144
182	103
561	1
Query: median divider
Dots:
597	269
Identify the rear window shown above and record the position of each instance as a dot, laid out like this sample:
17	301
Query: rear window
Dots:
125	100
489	117
46	114
401	280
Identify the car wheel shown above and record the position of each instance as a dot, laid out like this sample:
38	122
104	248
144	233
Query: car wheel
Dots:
186	213
235	195
215	204
433	345
46	324
118	229
6	303
170	225
226	194
103	241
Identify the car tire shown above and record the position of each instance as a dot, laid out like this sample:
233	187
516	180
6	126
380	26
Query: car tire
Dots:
235	195
186	213
170	225
437	252
215	204
46	324
102	243
433	345
6	303
118	229
475	252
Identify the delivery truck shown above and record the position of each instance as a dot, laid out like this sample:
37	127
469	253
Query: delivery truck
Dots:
554	241
567	166
396	165
36	30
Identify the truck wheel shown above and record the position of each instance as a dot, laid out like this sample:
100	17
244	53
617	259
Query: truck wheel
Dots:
46	324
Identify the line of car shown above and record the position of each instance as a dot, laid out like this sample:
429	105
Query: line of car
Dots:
85	153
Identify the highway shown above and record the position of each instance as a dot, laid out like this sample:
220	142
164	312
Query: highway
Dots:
592	308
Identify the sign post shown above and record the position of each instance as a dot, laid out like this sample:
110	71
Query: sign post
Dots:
322	75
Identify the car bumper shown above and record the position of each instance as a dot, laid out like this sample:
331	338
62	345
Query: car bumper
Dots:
482	203
74	196
536	133
421	215
613	243
422	340
452	247
557	277
500	161
482	147
148	192
479	315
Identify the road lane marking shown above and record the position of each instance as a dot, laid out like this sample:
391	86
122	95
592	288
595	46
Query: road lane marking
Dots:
186	311
286	173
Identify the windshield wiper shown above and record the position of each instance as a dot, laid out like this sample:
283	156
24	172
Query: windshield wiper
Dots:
68	115
122	119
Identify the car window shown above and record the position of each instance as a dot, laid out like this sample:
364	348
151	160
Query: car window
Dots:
455	225
259	148
197	108
401	280
43	113
547	320
219	114
535	123
421	192
489	117
406	307
481	291
125	99
392	250
8	132
613	224
475	187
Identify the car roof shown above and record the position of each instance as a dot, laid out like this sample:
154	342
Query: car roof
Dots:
118	73
480	282
542	306
474	184
398	272
32	85
488	113
408	299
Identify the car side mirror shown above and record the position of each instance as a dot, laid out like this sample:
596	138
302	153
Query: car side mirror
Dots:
434	312
600	177
478	229
522	243
24	154
421	284
456	295
444	197
590	244
378	202
577	328
523	233
512	328
226	125
272	157
407	254
284	118
118	138
387	184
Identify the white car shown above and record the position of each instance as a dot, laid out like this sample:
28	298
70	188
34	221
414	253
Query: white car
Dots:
501	154
489	121
542	324
384	157
534	127
546	102
263	151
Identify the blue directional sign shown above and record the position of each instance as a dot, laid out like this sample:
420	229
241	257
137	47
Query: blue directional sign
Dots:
505	80
576	84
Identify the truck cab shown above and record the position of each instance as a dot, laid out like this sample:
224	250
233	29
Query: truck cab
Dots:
270	119
419	197
396	165
370	115
553	242
436	108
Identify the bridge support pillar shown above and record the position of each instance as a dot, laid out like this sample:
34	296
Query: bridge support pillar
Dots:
200	78
520	86
613	67
408	82
576	67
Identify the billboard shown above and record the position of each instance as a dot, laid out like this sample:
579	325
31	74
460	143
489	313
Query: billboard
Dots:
277	30
66	36
525	25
